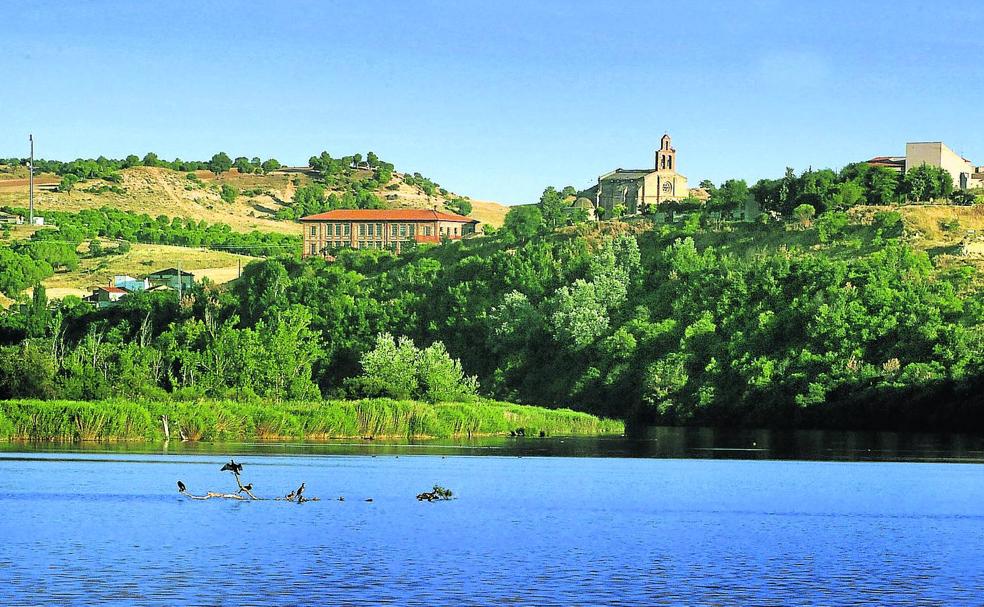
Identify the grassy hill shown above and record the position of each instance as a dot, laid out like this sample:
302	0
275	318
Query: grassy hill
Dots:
160	191
219	267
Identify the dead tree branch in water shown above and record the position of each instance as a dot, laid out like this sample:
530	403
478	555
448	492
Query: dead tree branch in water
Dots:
438	494
295	496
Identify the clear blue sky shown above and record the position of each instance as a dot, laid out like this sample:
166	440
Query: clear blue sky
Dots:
496	99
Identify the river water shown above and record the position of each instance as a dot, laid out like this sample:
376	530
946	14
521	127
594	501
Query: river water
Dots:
679	517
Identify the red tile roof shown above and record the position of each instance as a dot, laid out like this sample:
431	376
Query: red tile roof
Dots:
111	289
387	215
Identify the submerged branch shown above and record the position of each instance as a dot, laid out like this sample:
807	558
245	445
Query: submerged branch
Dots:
296	496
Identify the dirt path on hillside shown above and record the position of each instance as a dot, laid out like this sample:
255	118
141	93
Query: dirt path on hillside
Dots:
167	187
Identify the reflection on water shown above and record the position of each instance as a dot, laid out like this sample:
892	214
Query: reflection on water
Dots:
694	517
657	442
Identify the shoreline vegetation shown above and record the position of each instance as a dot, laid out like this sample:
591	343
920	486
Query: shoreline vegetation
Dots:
213	420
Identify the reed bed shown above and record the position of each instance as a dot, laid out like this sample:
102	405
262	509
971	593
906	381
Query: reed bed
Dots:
213	420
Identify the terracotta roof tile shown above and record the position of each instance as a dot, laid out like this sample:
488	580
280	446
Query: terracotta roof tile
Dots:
387	215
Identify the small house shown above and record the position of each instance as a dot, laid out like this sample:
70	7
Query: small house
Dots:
103	297
130	283
7	218
171	277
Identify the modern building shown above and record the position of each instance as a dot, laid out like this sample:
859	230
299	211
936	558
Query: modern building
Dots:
171	277
380	229
637	189
934	153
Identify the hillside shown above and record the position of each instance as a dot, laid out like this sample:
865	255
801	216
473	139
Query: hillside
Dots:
217	266
161	191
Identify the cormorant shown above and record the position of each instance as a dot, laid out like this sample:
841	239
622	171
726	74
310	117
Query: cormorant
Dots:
248	487
233	467
181	487
300	490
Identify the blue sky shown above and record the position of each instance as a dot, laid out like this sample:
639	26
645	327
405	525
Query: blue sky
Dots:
494	99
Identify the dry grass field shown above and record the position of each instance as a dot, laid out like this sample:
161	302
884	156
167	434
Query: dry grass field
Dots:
217	266
158	191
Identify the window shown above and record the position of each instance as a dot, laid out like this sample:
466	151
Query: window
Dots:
362	229
456	231
348	229
413	229
403	230
338	229
314	248
314	230
394	229
379	230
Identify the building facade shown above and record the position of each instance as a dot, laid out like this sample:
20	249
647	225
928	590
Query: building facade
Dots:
934	153
388	229
103	297
171	277
637	189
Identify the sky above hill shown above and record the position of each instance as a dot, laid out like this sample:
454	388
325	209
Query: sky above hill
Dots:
496	100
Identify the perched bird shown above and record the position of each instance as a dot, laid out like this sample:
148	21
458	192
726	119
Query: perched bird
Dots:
300	490
233	467
181	487
248	487
289	496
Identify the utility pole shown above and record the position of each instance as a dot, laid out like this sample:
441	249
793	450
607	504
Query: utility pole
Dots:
30	168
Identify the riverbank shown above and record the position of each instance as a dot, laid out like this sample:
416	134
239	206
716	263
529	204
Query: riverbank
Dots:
229	420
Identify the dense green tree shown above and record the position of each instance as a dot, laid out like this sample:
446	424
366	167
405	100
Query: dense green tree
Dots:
220	163
229	193
554	208
67	183
523	222
926	182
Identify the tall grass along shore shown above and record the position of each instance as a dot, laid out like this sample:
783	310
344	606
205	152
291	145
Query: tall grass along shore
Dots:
230	420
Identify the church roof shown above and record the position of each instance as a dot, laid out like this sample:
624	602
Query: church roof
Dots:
627	174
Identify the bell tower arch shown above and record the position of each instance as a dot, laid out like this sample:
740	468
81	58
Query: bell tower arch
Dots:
665	155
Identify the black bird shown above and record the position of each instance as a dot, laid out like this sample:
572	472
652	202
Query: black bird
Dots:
181	487
300	490
248	487
289	496
233	467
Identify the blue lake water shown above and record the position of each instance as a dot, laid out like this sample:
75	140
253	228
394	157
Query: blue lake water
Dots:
100	526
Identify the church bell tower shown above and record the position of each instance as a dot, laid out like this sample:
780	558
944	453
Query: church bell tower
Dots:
665	155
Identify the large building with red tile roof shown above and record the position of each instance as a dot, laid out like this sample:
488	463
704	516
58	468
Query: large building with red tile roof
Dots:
380	229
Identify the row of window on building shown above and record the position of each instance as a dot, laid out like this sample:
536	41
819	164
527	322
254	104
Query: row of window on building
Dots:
376	230
315	248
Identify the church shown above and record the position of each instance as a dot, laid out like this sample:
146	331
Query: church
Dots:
637	189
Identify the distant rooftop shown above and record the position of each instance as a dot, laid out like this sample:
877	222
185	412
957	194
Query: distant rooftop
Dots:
388	215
